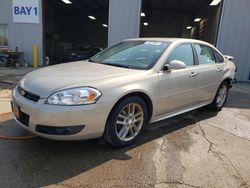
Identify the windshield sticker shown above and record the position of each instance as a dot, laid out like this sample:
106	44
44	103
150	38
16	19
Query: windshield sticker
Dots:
153	43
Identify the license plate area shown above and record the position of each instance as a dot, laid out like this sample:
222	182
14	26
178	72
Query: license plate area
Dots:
20	115
16	110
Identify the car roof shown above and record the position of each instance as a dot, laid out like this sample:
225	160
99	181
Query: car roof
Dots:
178	40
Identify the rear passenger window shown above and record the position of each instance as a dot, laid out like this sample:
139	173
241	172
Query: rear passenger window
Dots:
219	58
205	54
182	53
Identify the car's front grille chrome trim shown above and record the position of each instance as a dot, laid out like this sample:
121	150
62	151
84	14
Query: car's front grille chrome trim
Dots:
28	95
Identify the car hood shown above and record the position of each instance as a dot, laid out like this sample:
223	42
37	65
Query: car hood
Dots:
46	81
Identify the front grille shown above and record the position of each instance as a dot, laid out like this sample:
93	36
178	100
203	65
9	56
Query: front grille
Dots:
28	95
24	118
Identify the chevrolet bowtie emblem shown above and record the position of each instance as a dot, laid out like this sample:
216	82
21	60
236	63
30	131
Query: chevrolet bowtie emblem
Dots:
23	92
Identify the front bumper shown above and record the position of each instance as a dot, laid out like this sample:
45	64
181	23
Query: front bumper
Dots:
92	118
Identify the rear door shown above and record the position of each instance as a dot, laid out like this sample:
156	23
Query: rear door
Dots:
210	70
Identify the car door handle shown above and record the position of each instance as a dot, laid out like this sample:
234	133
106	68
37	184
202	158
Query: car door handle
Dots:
193	74
219	69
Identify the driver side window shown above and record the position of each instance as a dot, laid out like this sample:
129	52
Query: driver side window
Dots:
182	53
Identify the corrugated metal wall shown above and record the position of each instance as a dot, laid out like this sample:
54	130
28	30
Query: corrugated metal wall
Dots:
234	35
124	20
22	35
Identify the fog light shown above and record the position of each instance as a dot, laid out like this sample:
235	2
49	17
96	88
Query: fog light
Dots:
71	130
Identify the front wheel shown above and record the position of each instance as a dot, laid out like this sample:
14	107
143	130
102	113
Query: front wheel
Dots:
126	122
221	97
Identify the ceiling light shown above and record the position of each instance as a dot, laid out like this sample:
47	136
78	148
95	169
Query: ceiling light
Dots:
143	14
67	1
197	19
189	27
104	25
92	17
145	23
215	2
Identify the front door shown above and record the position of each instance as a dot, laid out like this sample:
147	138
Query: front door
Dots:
178	88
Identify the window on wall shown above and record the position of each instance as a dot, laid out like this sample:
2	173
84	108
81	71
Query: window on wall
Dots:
3	35
198	19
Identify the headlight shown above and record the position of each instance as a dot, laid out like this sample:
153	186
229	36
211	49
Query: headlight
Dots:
74	96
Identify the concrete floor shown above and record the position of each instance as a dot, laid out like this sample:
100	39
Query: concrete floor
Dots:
13	75
197	149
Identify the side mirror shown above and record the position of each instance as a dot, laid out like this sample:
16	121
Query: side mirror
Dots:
175	64
230	58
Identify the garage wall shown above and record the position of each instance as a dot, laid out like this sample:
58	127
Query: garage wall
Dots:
124	20
233	38
22	35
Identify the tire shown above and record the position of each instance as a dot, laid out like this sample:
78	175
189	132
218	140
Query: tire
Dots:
220	97
126	122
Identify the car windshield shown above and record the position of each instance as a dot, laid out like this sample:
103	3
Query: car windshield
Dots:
132	54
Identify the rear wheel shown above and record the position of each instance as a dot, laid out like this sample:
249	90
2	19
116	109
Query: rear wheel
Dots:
126	122
221	97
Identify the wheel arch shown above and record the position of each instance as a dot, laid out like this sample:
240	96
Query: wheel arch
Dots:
228	80
143	96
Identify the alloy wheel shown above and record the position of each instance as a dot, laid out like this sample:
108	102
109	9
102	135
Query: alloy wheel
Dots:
129	122
222	95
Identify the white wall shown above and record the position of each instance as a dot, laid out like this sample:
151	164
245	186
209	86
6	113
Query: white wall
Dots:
124	20
22	35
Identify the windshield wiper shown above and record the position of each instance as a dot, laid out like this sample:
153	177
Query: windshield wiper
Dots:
116	65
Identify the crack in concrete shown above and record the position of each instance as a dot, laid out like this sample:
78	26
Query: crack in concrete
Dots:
162	150
229	132
243	182
192	117
140	156
179	183
121	178
218	152
205	136
65	185
123	185
16	167
210	148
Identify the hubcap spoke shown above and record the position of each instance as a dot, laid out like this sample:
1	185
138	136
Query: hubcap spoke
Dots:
138	119
121	122
129	109
136	115
123	116
124	133
131	131
135	128
133	109
123	113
